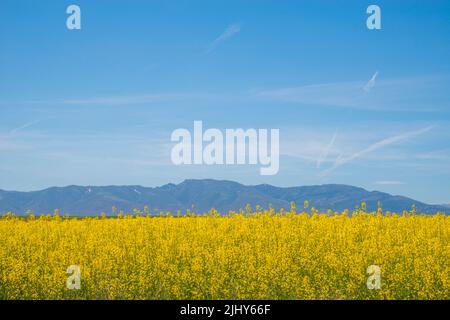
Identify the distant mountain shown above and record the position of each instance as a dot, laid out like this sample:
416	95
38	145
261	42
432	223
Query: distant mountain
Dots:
201	195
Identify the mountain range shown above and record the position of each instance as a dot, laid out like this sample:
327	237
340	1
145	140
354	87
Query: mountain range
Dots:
201	196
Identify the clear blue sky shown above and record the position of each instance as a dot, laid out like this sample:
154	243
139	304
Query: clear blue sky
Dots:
97	106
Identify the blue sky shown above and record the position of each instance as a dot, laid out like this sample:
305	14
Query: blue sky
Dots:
97	106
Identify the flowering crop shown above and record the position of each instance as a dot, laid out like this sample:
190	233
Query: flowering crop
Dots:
258	255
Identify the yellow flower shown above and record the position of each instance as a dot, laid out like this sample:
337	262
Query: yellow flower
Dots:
243	255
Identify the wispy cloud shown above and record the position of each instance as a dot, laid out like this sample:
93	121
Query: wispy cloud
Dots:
401	94
438	155
230	31
338	94
389	182
376	146
138	99
371	83
141	98
404	94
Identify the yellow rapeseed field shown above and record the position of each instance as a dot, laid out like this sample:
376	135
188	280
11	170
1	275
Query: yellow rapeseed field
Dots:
258	255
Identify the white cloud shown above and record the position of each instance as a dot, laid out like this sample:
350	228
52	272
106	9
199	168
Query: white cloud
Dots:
389	182
439	155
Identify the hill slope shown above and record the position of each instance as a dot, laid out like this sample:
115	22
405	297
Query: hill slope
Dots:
203	195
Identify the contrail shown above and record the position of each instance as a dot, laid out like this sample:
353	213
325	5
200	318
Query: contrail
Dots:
371	83
324	154
378	145
26	125
228	33
12	132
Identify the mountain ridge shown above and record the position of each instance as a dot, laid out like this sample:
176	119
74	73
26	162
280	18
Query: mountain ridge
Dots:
201	195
